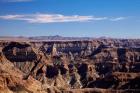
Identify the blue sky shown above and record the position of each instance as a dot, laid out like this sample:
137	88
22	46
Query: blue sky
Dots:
82	18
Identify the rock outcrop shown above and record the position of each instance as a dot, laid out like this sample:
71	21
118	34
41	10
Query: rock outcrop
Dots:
100	66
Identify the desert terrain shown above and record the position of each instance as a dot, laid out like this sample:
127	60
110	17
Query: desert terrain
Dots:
72	65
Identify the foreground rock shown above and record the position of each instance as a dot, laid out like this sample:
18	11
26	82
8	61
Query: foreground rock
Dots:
100	66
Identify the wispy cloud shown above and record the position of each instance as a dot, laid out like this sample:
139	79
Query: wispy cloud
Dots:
17	0
118	18
53	18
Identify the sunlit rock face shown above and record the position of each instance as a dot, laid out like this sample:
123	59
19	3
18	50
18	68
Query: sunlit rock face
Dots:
105	65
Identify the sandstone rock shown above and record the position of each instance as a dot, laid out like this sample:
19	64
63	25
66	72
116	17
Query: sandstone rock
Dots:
100	66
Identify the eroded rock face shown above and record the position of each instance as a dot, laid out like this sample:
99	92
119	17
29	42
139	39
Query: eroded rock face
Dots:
62	65
18	52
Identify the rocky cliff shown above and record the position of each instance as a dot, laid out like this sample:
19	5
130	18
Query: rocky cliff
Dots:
100	66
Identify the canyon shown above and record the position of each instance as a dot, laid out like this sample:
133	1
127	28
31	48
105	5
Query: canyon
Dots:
70	66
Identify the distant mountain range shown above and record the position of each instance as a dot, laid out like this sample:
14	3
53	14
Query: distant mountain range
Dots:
57	37
51	38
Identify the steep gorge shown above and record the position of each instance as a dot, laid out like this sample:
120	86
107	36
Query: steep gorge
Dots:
70	66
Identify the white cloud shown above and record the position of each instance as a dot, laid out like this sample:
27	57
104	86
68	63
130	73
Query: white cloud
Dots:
118	18
51	18
10	17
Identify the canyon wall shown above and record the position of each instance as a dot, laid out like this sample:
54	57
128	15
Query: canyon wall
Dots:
103	65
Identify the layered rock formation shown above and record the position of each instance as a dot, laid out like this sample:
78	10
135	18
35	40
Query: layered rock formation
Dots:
103	65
